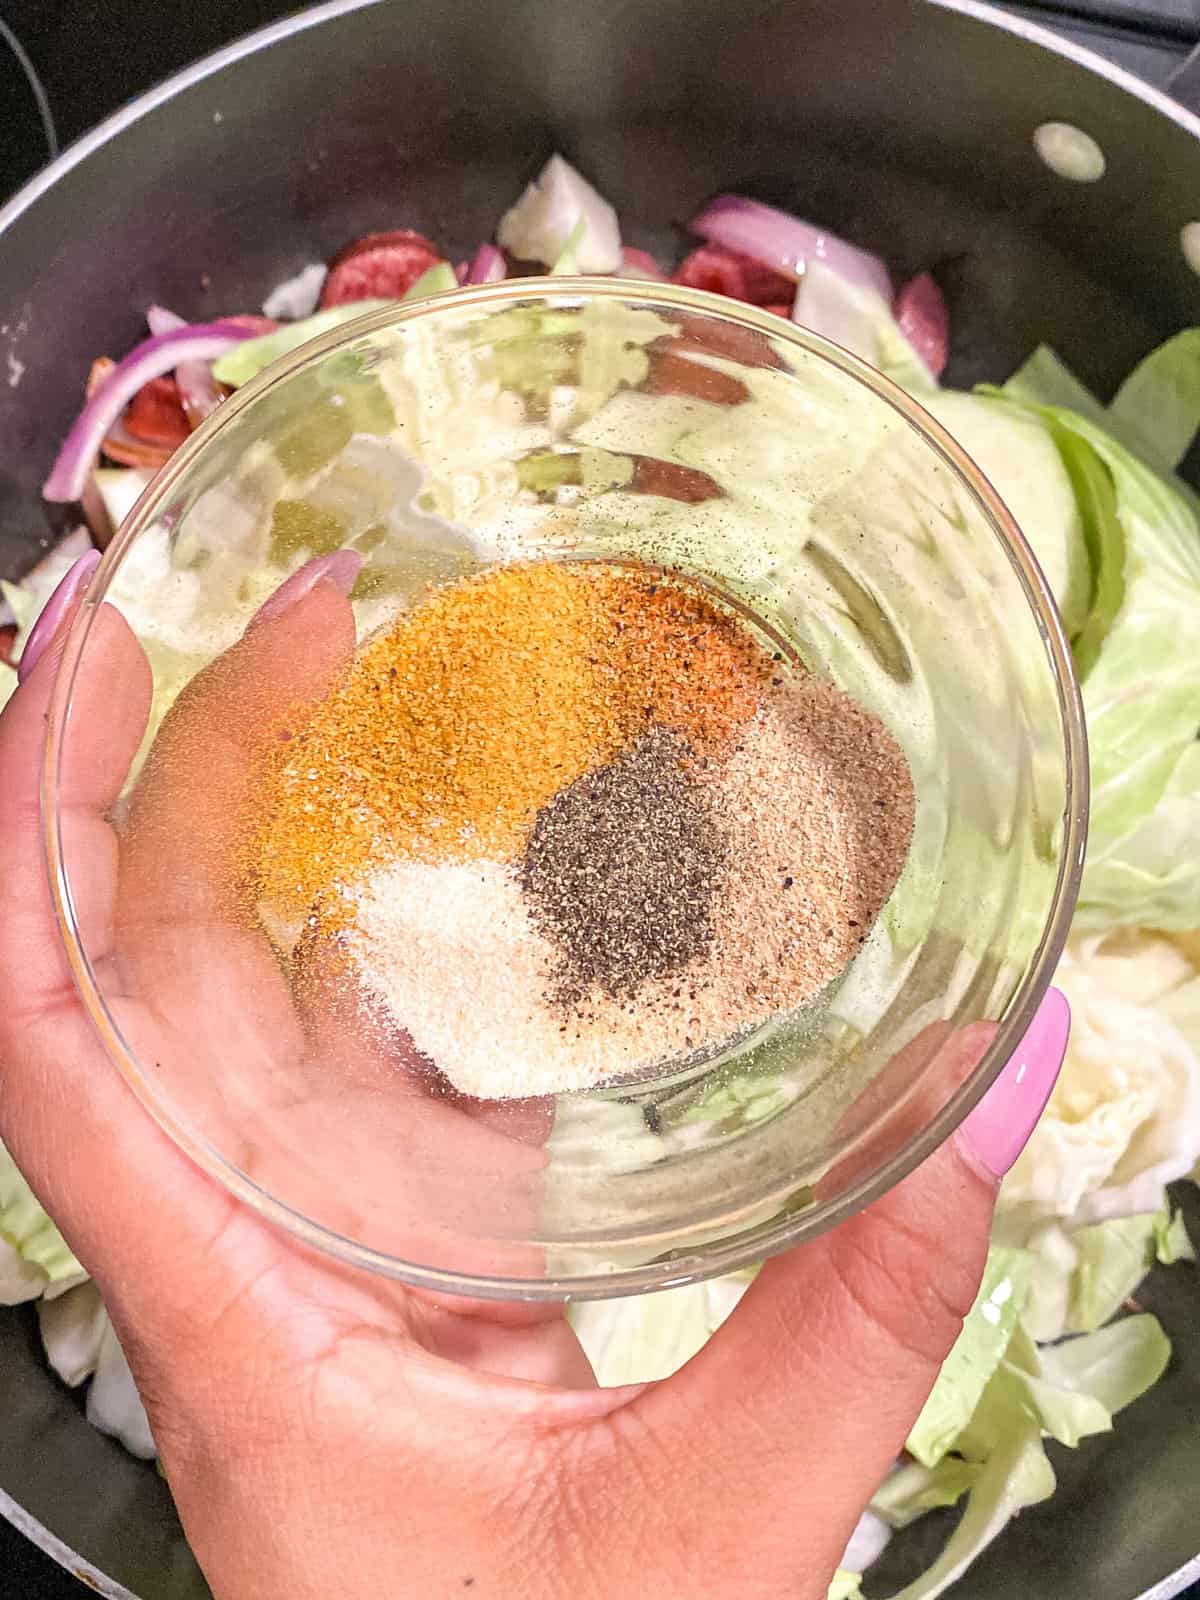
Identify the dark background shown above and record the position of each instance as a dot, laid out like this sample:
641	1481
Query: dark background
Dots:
91	56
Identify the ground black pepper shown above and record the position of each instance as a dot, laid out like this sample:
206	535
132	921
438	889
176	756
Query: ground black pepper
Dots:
621	870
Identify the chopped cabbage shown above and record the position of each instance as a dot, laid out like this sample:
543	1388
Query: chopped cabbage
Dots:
650	1337
842	312
1015	450
1017	1475
845	1586
1043	380
246	360
237	366
1082	1278
1142	673
987	1331
540	224
1142	695
113	1403
910	1489
298	296
1018	455
1110	1368
1158	405
73	1329
1172	1241
1124	1118
1068	1392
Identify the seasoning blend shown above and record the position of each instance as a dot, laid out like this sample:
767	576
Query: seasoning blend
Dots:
573	822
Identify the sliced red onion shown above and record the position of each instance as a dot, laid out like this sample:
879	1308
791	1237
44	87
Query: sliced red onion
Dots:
159	354
924	321
461	270
637	263
253	325
119	444
487	266
786	243
199	391
160	320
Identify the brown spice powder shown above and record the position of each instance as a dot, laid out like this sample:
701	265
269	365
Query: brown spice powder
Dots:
450	731
680	662
816	803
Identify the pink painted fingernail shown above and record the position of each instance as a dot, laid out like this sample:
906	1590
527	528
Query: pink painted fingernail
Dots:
60	602
340	569
999	1127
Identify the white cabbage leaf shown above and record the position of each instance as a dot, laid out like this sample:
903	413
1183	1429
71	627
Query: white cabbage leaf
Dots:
987	1330
113	1403
1068	1391
539	225
650	1336
1124	1118
73	1329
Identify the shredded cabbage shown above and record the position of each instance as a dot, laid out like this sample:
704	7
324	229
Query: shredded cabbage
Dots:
1141	671
1017	1475
987	1331
1067	1392
1158	405
1082	1277
1124	1118
845	1586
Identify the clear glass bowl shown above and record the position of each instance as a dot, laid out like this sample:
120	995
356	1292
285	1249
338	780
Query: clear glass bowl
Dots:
595	418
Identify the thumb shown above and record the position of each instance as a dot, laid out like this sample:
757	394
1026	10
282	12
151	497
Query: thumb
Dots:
68	1116
835	1347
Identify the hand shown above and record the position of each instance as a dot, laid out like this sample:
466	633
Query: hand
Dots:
327	1432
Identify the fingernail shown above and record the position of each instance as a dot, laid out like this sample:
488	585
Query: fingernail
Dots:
60	602
999	1127
340	569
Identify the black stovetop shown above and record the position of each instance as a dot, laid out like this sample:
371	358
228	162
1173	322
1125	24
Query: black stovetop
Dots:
90	57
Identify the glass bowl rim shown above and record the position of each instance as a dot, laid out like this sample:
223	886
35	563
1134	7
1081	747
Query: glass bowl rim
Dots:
750	1244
